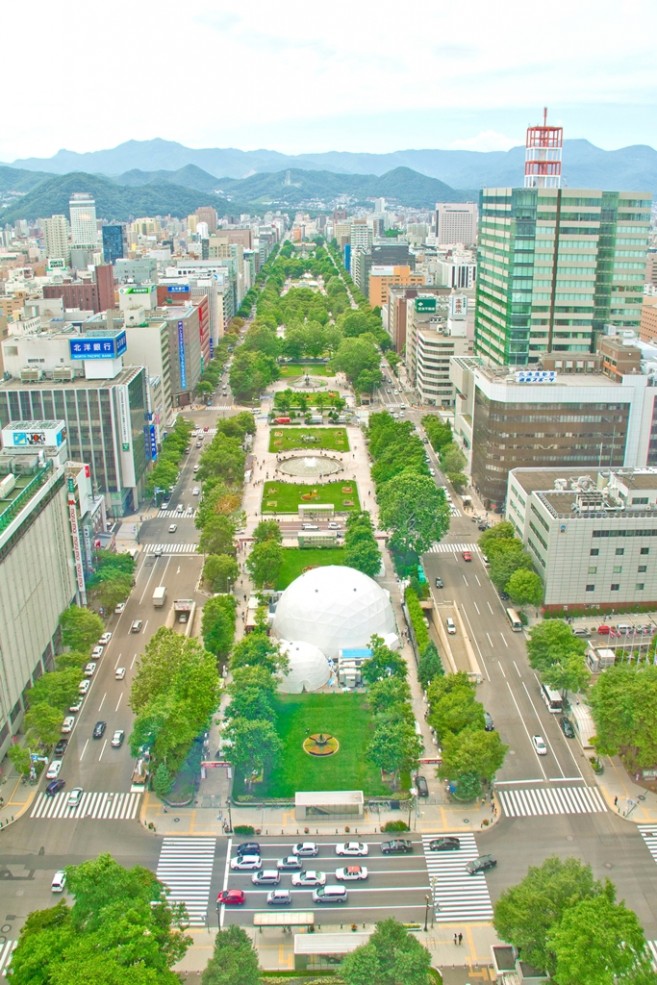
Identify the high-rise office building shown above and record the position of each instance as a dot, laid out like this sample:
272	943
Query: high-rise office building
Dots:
84	229
113	243
56	234
456	222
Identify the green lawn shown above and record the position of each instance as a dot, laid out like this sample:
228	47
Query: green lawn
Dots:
344	716
285	438
286	497
298	369
297	560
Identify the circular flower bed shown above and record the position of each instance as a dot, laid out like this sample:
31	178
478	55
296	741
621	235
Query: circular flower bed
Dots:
321	744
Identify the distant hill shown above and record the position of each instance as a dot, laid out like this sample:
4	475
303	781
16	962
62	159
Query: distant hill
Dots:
188	177
585	166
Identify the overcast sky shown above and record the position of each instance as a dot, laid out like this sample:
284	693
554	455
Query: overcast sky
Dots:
293	76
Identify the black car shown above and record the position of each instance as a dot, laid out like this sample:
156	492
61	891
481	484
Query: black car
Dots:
249	848
99	730
567	727
489	724
481	864
444	844
439	583
421	786
54	787
60	748
397	846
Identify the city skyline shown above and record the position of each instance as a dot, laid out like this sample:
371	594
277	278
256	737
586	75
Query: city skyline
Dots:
296	80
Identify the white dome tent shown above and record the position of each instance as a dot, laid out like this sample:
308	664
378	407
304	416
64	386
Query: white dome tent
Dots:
334	607
308	667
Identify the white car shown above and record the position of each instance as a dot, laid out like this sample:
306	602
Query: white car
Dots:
54	769
105	638
118	609
97	653
58	882
309	879
69	722
90	669
76	706
117	738
353	848
539	745
119	673
173	527
84	685
75	797
305	849
351	873
243	863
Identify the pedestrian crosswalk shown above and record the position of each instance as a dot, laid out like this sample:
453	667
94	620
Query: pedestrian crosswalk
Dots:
649	834
175	515
457	896
185	867
539	801
171	548
652	947
6	951
449	548
94	804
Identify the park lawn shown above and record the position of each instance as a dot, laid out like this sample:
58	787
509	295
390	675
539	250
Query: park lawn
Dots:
310	439
296	560
286	497
345	716
303	369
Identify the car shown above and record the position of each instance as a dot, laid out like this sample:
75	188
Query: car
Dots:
447	844
604	630
75	707
117	738
60	748
231	897
54	787
245	863
481	864
397	846
279	897
75	797
196	469
97	653
119	673
332	525
309	879
90	669
54	769
505	596
489	724
58	883
353	848
440	583
351	873
105	638
136	626
173	527
482	526
581	631
421	785
289	863
567	727
484	558
118	609
196	491
266	877
539	745
99	730
157	552
305	849
248	848
206	429
84	686
67	725
466	555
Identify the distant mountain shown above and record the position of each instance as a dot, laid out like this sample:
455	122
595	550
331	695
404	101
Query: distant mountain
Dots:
188	177
585	166
16	180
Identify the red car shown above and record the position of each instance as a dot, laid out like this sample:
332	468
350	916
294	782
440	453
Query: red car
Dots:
467	555
604	630
231	897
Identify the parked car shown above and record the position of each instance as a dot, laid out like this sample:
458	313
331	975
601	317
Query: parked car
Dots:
539	745
99	730
581	631
105	638
481	864
55	786
421	786
309	879
75	797
351	873
84	686
447	844
489	724
54	769
60	748
567	727
231	897
97	653
118	609
75	707
67	724
90	669
305	849
397	846
352	848
245	863
58	883
604	630
117	738
290	863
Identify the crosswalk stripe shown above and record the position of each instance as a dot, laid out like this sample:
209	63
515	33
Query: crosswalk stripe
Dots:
649	834
97	805
456	894
442	548
539	801
6	951
185	866
652	947
175	515
172	548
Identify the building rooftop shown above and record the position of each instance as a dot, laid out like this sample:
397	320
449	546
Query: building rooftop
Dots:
125	376
576	494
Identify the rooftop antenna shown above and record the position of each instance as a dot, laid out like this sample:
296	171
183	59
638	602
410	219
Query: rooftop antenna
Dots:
543	151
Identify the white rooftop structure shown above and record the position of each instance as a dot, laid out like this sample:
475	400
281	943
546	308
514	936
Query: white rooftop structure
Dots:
308	667
333	607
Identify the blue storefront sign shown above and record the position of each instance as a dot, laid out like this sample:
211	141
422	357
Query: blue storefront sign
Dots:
178	289
181	355
98	347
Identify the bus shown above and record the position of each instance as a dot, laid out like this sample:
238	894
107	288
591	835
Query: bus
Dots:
552	699
514	619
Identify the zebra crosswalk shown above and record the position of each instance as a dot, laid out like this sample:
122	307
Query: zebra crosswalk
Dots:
94	804
185	867
174	515
539	801
6	951
443	548
649	834
457	896
171	548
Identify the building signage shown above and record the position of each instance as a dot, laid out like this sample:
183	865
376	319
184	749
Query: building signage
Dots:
177	288
211	348
536	376
153	442
458	306
77	552
181	355
124	417
136	290
96	347
425	305
48	438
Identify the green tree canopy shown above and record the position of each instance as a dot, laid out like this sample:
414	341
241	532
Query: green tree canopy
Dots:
267	530
623	702
472	752
552	642
392	956
257	649
252	745
525	587
264	563
234	960
218	626
217	536
383	663
80	628
415	510
220	572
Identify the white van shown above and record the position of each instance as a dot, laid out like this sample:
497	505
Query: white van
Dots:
330	894
310	526
451	626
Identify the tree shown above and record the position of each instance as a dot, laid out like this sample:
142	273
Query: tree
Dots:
58	688
80	628
162	780
623	702
429	666
525	587
506	557
395	746
363	555
218	626
252	703
267	530
264	563
568	674
355	355
504	530
473	752
234	961
217	536
383	663
220	571
551	642
600	942
257	649
415	511
20	759
525	914
452	458
43	723
388	692
252	745
392	956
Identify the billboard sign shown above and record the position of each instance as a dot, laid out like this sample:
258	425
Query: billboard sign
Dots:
425	305
181	355
98	347
536	376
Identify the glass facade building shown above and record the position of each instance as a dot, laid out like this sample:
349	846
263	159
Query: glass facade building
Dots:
113	238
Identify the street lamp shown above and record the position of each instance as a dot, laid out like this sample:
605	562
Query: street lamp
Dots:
230	816
427	904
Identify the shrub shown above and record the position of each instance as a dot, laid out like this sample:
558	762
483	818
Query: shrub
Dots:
244	829
395	826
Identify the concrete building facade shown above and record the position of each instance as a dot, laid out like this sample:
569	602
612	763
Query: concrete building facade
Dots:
456	222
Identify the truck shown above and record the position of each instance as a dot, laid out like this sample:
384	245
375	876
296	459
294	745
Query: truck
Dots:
159	596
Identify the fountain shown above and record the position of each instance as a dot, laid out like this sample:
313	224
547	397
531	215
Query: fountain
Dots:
309	466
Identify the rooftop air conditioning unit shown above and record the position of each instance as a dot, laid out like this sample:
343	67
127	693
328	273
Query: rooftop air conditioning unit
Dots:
63	373
30	375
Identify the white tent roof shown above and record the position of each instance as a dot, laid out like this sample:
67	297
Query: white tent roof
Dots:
309	669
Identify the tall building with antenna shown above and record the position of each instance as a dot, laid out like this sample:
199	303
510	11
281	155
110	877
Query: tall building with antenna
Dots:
556	265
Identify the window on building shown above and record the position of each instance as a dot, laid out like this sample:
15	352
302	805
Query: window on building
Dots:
640	585
615	587
590	588
620	550
644	550
594	551
593	569
642	568
617	569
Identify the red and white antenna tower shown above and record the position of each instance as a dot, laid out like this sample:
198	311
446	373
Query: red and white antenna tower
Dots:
543	150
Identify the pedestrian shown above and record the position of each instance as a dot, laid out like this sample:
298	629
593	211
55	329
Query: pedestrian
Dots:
460	938
456	939
615	801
